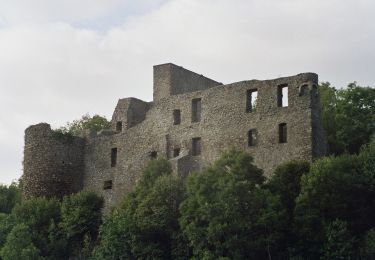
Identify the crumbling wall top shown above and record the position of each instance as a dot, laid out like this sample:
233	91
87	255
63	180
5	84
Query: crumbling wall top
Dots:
170	79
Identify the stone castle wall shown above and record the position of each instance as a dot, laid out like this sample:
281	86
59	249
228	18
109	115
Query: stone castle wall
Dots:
144	130
53	163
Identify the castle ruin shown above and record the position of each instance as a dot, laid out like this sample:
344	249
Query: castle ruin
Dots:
191	121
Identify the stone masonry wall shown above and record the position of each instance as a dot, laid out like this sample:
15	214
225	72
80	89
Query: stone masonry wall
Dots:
53	163
170	79
225	123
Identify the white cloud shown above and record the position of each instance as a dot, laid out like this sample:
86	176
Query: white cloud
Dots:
71	11
51	70
20	11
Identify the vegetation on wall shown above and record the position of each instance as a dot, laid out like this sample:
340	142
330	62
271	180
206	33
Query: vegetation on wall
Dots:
87	122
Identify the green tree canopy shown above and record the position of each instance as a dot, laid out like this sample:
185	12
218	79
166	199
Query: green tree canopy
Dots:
348	116
338	242
96	123
146	225
9	197
81	218
20	245
226	213
41	228
38	215
342	188
286	184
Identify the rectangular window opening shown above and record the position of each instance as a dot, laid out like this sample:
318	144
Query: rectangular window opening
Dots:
251	100
252	137
282	95
283	134
196	146
113	157
196	109
119	126
153	154
107	185
176	152
176	116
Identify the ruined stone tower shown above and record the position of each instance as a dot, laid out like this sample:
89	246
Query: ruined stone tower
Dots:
191	121
53	164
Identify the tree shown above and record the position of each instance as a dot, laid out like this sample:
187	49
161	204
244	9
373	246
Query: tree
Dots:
96	123
286	184
40	216
80	220
146	225
19	245
339	243
9	197
328	99
368	245
342	188
348	116
114	237
6	226
227	214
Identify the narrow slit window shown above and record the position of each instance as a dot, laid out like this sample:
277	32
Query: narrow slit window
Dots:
283	133
107	185
282	95
251	100
176	152
196	110
119	126
196	146
252	137
153	154
176	116
113	157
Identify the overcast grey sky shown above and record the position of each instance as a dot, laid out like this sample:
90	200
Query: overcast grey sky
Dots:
60	59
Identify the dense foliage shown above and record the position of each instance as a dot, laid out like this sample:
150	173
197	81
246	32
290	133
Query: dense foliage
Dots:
40	228
325	210
87	122
146	225
348	116
80	221
9	197
336	189
226	213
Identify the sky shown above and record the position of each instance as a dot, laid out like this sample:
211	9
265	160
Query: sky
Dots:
61	59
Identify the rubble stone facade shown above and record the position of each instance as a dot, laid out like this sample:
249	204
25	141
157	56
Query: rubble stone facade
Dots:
191	121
